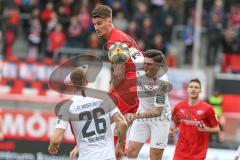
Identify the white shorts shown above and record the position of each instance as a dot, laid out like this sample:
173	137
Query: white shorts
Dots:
158	131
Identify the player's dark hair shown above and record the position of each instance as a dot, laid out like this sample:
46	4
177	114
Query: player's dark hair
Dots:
195	80
102	11
156	55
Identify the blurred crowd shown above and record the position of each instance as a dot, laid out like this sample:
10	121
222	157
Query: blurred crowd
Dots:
49	25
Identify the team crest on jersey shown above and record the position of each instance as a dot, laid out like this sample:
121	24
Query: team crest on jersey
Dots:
160	99
199	112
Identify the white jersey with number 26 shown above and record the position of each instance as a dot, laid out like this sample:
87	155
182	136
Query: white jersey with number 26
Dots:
93	130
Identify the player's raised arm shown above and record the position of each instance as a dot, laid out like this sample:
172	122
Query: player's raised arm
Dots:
118	74
121	129
152	113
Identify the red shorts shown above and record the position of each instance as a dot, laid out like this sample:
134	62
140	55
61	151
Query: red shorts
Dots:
178	158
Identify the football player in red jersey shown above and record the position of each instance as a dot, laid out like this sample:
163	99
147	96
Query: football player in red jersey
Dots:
195	119
124	75
127	101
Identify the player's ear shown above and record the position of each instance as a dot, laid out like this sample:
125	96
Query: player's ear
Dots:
109	20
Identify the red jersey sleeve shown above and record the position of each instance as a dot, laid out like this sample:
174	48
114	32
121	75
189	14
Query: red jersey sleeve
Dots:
212	119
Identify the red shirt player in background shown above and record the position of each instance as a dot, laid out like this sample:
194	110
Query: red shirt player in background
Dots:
195	119
126	100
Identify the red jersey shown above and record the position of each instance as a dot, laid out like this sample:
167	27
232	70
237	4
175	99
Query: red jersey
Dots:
192	143
125	99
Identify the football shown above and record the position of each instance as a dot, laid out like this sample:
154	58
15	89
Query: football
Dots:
118	52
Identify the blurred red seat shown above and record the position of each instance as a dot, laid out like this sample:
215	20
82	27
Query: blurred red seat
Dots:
17	88
231	62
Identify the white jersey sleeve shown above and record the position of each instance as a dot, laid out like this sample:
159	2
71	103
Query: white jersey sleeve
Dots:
62	124
238	151
136	57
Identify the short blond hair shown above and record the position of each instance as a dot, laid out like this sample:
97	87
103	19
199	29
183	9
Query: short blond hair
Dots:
102	11
77	77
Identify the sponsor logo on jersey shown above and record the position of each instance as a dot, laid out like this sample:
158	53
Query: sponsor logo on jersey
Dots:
199	112
89	105
181	110
188	122
160	99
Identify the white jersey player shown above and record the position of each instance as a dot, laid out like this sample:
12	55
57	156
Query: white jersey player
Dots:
154	114
92	130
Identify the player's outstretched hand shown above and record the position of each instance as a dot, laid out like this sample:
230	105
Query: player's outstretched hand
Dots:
202	127
53	149
130	118
74	153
